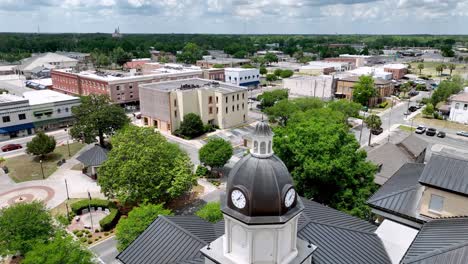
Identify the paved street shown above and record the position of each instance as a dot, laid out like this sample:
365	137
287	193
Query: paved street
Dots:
106	250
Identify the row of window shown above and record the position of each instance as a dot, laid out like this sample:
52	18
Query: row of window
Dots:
233	109
246	78
7	119
465	106
118	87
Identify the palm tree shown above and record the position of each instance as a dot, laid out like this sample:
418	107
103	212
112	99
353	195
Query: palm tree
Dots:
373	122
405	88
440	68
451	68
420	67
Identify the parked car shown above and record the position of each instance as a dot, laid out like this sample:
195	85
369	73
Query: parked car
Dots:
377	131
420	130
412	108
138	115
253	98
462	133
441	134
431	132
11	147
413	93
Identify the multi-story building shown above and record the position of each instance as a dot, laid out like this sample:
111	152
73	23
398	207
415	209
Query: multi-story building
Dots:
163	105
244	77
459	107
225	62
375	72
311	86
398	70
324	67
36	110
214	74
345	86
122	87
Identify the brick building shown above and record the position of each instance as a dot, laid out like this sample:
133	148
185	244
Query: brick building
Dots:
345	86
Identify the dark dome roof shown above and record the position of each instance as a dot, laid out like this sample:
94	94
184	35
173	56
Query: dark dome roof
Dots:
265	182
262	129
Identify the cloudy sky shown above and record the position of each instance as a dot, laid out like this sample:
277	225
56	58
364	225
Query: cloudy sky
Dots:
237	16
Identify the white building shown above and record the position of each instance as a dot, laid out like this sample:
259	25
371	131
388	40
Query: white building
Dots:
310	86
36	110
324	67
361	60
459	107
46	60
243	77
375	72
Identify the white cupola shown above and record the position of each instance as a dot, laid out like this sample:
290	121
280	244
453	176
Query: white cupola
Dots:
262	141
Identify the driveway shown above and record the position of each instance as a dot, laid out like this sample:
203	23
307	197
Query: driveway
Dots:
106	251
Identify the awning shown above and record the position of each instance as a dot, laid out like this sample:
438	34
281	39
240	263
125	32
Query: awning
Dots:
53	121
5	130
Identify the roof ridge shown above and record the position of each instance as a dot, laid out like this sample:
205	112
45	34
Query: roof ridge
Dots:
448	156
183	229
340	227
394	193
437	252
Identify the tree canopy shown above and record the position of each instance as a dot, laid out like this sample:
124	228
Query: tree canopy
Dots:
142	165
22	226
331	170
446	89
190	53
41	144
363	90
373	122
216	153
191	126
211	212
62	249
268	99
139	218
96	116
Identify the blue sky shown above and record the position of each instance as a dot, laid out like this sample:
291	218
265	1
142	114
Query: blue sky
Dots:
237	16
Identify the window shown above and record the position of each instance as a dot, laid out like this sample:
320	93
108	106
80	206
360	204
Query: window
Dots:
237	97
22	116
269	146
130	86
131	96
240	78
243	96
255	146
217	110
233	98
242	106
226	99
117	88
465	107
210	99
457	105
237	107
66	109
263	148
175	113
217	99
437	203
233	108
175	103
226	110
210	110
6	119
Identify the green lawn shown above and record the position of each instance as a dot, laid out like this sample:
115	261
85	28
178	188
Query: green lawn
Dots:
26	167
431	122
407	128
430	69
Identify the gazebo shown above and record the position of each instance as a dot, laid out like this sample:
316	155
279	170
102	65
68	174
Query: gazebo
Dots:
92	159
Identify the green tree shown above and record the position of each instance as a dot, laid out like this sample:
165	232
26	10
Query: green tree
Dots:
282	111
420	67
190	53
404	88
247	66
446	88
452	67
240	54
278	72
218	66
307	103
96	116
120	56
191	126
268	99
41	144
142	165
373	122
286	73
263	70
271	77
347	108
364	90
428	110
325	161
270	57
440	69
139	218
215	153
211	212
22	226
447	51
62	249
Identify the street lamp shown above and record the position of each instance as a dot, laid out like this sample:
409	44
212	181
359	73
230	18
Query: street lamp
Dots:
68	144
42	169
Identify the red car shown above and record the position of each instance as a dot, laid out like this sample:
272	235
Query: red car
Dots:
10	147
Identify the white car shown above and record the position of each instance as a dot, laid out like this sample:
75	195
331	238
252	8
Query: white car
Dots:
420	130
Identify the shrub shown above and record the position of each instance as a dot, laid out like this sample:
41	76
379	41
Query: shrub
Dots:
63	220
89	235
87	231
79	234
90	241
78	206
112	231
201	171
383	104
211	212
106	233
209	128
110	220
96	230
99	237
75	231
83	239
425	100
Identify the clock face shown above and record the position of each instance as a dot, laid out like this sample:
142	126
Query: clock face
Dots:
238	199
290	197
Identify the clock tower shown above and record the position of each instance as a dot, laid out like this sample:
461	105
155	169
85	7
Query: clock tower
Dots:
261	211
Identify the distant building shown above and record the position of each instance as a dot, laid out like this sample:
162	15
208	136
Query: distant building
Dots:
310	86
225	62
459	107
117	33
163	105
75	55
398	70
122	87
345	86
36	64
243	77
36	110
136	64
7	69
360	60
375	72
162	56
214	74
324	67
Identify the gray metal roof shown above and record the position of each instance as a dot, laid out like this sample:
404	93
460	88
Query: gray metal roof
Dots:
340	238
414	145
440	241
94	156
402	193
262	129
391	158
447	173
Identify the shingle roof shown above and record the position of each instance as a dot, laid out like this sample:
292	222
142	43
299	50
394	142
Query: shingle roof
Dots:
440	241
391	157
446	172
401	193
341	238
413	145
94	156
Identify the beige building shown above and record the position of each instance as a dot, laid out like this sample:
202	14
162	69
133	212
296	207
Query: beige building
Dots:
418	193
322	86
345	87
163	105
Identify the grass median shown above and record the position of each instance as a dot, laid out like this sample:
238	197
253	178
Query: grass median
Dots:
27	168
